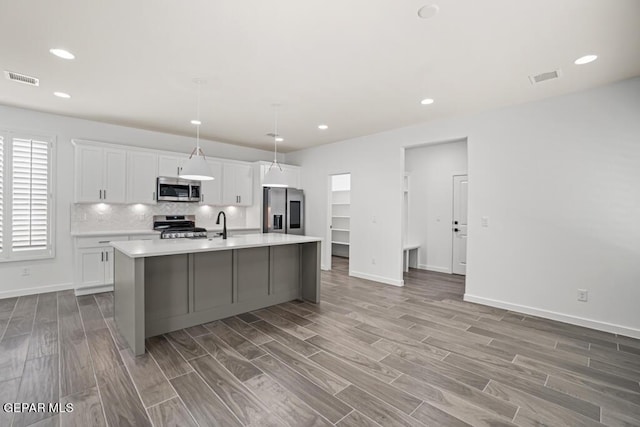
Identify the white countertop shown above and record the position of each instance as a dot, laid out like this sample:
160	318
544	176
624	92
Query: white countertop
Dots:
143	232
149	248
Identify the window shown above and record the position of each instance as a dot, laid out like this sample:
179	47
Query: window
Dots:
25	197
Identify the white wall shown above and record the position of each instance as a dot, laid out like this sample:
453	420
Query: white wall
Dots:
57	273
559	181
431	170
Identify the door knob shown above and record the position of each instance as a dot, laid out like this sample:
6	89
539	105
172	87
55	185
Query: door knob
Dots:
455	222
456	230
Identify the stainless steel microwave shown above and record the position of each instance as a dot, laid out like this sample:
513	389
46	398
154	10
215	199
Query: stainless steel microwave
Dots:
177	190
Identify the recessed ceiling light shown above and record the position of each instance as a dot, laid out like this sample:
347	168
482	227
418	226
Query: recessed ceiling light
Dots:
279	139
585	59
61	53
427	101
196	122
62	95
428	11
323	127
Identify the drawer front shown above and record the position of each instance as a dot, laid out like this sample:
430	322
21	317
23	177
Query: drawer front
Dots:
98	241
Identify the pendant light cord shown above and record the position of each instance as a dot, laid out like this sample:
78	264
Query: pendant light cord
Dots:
198	125
275	141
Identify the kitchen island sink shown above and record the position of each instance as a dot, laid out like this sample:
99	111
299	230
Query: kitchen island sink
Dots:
166	285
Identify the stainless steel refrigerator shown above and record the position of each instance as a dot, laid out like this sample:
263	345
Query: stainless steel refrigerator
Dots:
282	210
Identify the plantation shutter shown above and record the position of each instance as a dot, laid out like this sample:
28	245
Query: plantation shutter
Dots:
30	203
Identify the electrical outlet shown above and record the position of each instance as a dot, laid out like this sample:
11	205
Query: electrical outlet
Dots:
26	271
484	221
583	295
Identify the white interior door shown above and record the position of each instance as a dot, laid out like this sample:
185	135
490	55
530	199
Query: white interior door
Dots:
459	228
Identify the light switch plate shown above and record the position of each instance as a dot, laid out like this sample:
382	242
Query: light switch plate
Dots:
583	295
484	221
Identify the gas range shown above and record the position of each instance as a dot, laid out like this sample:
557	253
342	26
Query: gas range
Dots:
178	227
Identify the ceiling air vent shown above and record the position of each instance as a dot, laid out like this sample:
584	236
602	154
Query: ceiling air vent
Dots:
22	78
549	75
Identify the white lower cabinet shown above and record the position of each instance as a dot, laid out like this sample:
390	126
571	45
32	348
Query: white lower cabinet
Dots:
94	264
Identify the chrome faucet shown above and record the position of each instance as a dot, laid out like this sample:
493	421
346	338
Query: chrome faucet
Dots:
224	227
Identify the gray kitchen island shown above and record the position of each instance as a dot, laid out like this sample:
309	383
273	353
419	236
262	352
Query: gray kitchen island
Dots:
165	285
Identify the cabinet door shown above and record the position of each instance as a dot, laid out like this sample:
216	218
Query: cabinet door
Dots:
229	195
90	267
142	171
170	165
211	191
244	184
89	174
115	170
108	266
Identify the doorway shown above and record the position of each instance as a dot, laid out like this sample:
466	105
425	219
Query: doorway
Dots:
340	224
435	208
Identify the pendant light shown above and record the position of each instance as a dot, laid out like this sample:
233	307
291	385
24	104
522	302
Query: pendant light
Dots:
275	175
196	167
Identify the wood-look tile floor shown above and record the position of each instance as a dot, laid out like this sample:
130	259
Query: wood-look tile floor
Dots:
368	355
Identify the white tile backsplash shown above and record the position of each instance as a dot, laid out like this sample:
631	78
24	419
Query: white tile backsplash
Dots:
111	217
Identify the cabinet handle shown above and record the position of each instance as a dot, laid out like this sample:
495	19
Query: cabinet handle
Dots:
106	255
100	194
104	241
101	256
105	194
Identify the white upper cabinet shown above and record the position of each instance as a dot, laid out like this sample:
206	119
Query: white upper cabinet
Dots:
115	170
170	165
237	184
142	171
211	191
110	173
100	174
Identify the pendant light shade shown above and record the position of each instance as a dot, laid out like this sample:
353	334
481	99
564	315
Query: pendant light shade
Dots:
196	167
275	176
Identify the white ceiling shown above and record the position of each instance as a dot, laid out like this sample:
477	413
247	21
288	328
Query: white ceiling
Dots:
360	66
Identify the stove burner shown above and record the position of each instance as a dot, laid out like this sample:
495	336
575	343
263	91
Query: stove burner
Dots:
178	227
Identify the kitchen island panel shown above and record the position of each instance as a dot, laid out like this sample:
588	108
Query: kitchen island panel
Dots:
251	268
128	303
213	280
284	268
166	286
310	259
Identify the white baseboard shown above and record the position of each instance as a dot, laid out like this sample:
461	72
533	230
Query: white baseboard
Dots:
434	268
375	278
553	315
88	290
324	267
35	290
